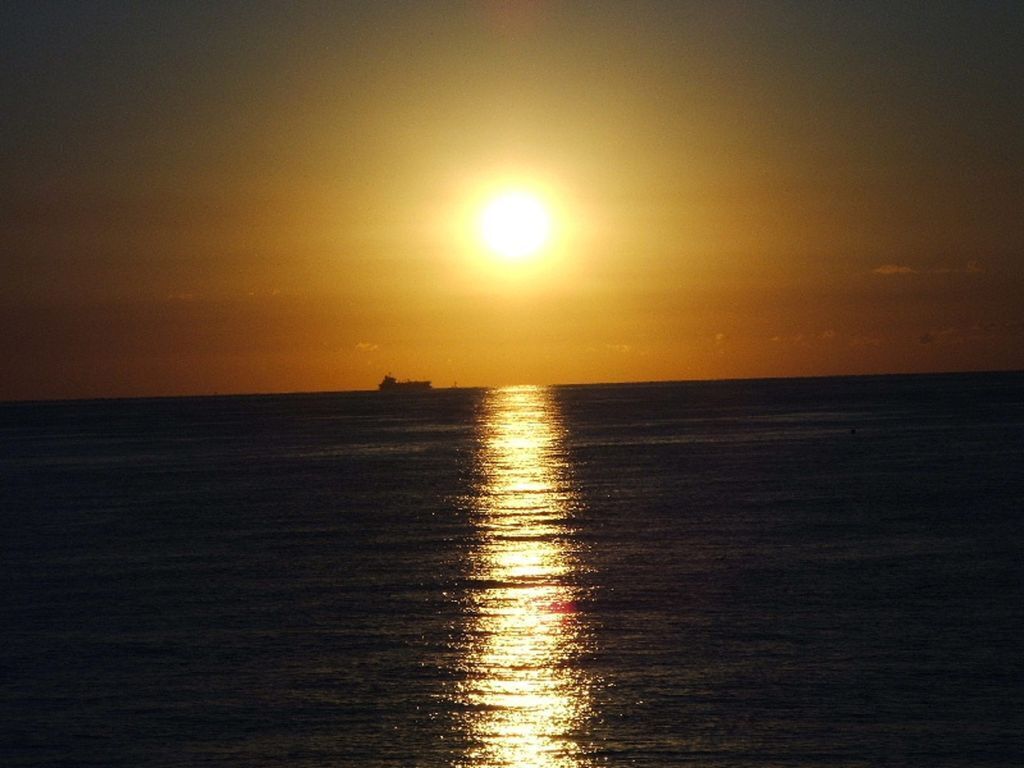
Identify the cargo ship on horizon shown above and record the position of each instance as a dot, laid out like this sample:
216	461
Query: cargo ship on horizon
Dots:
391	384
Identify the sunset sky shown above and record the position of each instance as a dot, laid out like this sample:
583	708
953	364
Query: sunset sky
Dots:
205	197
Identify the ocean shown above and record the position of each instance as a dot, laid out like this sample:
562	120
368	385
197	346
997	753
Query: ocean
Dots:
804	572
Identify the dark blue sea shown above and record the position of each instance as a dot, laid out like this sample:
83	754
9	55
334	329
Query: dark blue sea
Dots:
813	572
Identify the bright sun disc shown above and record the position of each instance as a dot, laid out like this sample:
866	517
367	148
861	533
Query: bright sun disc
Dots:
515	225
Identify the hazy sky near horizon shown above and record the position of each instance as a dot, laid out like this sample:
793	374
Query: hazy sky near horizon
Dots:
278	196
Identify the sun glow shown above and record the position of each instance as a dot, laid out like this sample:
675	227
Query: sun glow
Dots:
515	225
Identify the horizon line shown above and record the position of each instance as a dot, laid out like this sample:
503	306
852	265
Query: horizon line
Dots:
298	392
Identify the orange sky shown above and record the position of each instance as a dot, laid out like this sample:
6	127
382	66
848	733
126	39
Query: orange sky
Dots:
256	197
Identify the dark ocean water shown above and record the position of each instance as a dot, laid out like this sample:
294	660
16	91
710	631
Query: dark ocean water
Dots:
821	572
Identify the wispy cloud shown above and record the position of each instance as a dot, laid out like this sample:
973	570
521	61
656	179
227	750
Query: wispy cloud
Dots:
366	346
894	269
971	268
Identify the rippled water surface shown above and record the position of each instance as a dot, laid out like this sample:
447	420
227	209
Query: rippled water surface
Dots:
820	572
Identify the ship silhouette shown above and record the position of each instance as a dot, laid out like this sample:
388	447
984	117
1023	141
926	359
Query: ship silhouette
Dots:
391	384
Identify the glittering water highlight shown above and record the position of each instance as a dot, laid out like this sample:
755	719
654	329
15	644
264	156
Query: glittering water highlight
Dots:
525	698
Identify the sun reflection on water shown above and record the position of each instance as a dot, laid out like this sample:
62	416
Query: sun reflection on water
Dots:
524	696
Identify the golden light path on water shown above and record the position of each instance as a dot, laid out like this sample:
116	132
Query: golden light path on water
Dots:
523	696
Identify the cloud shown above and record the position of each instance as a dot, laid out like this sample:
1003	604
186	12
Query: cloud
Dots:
366	346
894	269
971	268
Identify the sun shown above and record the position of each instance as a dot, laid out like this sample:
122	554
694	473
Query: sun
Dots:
515	225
